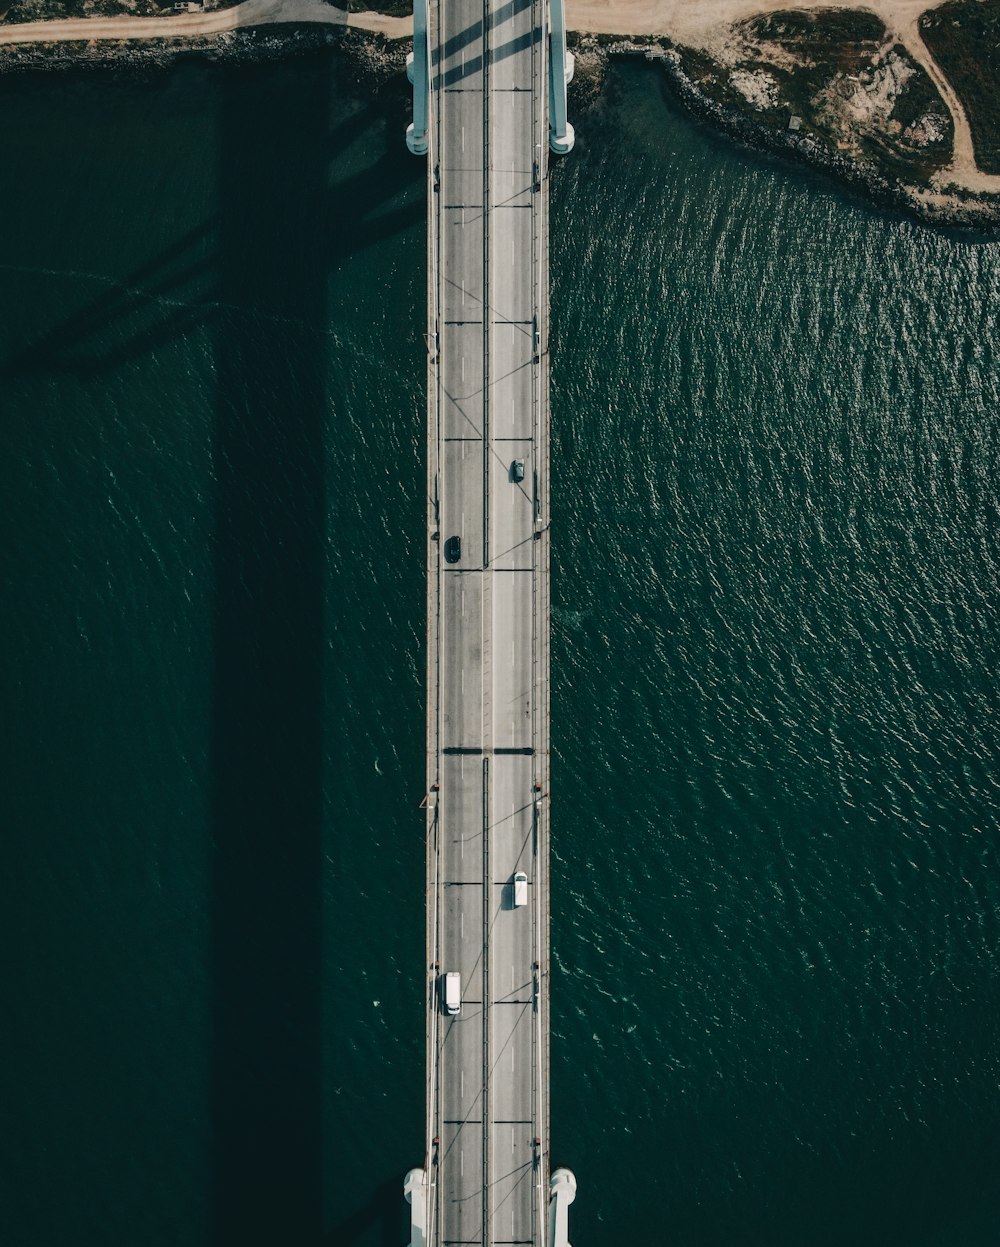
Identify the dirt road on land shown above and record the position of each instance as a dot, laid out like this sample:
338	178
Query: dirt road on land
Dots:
705	24
215	22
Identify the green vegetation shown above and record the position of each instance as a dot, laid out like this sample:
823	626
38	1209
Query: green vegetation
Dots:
824	43
834	29
964	38
853	92
920	98
816	46
898	152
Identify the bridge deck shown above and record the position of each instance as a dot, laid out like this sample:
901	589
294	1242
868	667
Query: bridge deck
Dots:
488	689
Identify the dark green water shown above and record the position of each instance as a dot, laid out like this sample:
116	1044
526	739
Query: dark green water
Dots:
776	896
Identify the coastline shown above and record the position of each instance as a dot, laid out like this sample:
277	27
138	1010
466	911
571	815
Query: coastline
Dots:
378	58
377	46
952	210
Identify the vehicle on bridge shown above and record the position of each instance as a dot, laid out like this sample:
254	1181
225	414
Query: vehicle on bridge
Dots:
519	889
517	470
453	549
451	993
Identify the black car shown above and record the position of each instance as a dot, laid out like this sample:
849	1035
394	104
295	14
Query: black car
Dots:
453	549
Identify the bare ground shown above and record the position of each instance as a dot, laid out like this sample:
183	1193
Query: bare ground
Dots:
704	24
709	26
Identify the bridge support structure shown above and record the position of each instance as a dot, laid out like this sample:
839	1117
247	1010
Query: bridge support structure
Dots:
561	134
489	95
415	1190
418	70
562	1192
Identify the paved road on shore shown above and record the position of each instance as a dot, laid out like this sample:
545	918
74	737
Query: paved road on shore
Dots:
705	25
488	704
195	25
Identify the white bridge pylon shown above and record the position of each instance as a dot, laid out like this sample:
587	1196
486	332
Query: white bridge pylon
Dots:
562	1192
561	135
418	71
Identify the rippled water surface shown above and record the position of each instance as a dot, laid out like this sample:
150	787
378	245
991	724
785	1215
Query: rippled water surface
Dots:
776	907
775	924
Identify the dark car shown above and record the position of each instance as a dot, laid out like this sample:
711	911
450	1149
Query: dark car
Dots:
517	470
453	549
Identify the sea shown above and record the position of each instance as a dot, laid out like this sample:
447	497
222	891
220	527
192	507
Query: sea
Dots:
776	773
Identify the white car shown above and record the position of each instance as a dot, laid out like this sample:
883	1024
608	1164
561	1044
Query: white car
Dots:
451	993
520	889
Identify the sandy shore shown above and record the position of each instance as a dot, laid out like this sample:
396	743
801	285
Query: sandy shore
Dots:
706	23
191	25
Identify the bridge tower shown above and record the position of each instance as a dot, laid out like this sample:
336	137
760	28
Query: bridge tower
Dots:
415	1190
418	66
418	70
562	1192
561	135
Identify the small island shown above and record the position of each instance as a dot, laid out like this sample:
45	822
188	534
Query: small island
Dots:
900	99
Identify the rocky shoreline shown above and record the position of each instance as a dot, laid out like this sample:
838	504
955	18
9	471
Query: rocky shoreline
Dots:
379	62
962	211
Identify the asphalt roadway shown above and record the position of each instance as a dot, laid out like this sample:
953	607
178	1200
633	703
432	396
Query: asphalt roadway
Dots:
488	695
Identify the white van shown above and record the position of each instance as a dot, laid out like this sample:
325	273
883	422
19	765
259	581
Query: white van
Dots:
451	993
520	887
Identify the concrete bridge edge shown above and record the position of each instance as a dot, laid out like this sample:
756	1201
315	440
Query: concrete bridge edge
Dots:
562	1183
562	136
